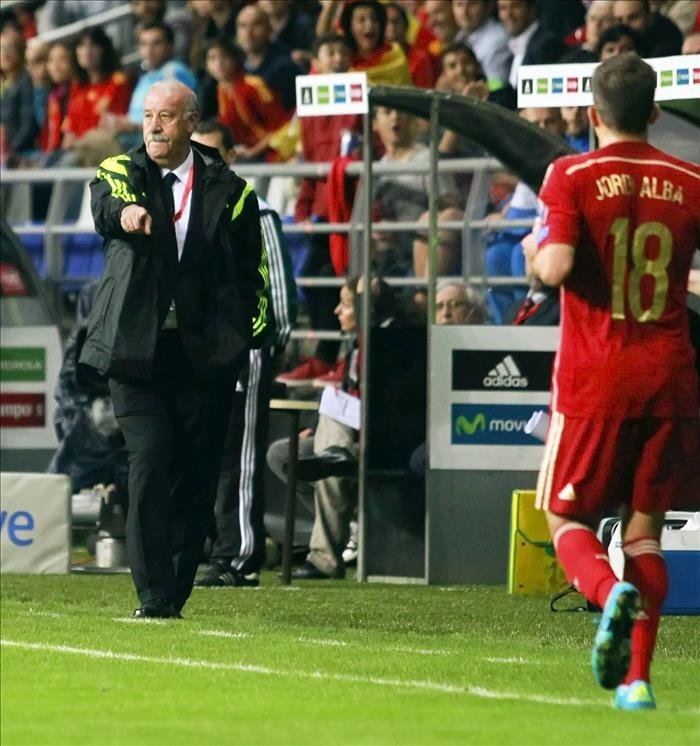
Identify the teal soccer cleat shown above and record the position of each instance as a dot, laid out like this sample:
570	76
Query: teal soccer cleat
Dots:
634	696
611	651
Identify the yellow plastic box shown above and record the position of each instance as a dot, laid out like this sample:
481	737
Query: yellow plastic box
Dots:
533	569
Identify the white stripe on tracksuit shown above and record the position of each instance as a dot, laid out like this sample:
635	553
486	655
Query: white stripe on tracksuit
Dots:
283	325
248	461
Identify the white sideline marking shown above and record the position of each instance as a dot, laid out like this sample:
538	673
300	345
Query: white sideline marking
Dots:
140	620
425	685
49	614
423	651
512	660
328	643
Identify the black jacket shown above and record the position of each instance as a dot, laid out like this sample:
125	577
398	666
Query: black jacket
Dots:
544	314
218	285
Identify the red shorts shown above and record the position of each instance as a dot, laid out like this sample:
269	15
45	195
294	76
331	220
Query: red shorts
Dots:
592	466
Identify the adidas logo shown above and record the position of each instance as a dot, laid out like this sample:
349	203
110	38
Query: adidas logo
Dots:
506	375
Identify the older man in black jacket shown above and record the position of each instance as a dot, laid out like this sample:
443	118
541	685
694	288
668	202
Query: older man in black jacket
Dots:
181	300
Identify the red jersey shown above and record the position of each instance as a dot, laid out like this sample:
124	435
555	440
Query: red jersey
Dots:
87	103
632	213
249	109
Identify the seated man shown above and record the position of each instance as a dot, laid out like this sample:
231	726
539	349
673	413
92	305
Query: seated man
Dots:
457	304
540	307
335	497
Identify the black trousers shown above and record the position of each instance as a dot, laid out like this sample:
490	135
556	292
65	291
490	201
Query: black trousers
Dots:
240	499
174	427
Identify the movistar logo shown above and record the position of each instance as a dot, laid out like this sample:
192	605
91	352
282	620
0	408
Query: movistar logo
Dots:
506	375
464	426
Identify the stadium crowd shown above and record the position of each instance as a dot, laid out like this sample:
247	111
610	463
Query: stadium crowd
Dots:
79	99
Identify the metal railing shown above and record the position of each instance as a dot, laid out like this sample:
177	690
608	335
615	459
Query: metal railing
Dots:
99	19
472	227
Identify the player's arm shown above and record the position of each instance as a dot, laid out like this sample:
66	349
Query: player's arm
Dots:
553	263
557	232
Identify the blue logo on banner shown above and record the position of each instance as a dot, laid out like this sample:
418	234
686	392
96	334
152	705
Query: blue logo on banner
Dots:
493	424
557	85
683	77
339	94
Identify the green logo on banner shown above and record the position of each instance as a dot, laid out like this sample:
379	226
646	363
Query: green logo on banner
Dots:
465	426
666	77
324	94
542	85
22	364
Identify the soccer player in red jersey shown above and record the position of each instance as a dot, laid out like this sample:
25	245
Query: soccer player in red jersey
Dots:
619	228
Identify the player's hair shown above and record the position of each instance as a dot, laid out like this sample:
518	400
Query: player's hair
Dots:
329	39
209	126
623	93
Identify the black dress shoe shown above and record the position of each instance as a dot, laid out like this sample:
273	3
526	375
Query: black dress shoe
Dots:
307	571
157	609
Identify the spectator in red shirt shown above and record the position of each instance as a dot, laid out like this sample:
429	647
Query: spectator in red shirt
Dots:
100	87
321	141
321	136
420	64
250	110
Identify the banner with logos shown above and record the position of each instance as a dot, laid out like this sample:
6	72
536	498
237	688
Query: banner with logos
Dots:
485	384
30	360
323	95
34	522
678	77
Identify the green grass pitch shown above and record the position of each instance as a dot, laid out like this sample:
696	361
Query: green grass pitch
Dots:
332	662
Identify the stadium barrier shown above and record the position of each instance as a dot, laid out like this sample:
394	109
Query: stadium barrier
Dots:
34	523
52	258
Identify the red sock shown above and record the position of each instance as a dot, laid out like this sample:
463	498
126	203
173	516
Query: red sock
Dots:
585	561
645	568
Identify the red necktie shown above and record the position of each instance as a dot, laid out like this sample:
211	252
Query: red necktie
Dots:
526	309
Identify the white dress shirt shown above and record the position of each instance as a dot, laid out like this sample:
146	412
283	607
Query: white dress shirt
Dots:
518	46
182	172
490	45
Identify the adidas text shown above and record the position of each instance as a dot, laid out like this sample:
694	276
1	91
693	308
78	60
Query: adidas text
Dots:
506	375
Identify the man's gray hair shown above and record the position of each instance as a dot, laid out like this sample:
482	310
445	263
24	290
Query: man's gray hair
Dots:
190	104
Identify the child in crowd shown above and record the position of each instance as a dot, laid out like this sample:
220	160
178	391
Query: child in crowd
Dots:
321	139
250	110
